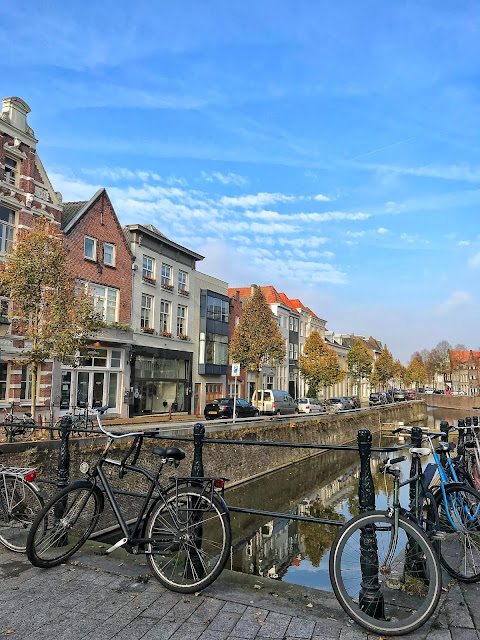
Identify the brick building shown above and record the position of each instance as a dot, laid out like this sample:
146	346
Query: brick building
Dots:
465	371
25	193
101	260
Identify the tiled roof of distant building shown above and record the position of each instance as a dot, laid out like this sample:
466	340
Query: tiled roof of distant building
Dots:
70	210
460	357
272	297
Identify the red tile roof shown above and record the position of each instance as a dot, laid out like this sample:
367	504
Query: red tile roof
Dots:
460	357
271	296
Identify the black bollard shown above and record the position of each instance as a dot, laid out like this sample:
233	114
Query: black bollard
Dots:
475	421
197	464
414	562
63	472
370	597
415	467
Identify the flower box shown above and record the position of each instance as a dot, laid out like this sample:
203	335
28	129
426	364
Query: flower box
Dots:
168	287
165	334
182	336
148	329
183	292
148	279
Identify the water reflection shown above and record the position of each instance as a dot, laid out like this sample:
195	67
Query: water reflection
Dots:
325	486
436	414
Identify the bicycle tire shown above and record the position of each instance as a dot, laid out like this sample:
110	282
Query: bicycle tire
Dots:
64	524
460	549
409	595
20	503
194	539
27	431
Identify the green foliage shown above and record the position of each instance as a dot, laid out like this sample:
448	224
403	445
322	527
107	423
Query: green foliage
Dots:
119	326
359	362
257	338
54	320
319	364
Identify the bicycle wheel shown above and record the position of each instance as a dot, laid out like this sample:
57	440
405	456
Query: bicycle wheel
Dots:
19	505
27	430
192	539
388	591
474	472
460	545
64	524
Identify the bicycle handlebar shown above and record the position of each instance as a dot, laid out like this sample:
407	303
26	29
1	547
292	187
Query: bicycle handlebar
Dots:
126	434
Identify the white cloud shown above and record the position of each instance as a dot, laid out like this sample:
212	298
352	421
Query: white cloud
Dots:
382	230
321	198
463	243
255	200
463	172
474	261
228	178
457	300
328	216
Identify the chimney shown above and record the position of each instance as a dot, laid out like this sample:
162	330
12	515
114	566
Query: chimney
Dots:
252	289
16	110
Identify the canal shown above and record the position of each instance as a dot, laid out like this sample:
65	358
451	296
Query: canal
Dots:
325	486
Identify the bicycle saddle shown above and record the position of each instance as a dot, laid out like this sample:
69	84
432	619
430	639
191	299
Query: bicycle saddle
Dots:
173	453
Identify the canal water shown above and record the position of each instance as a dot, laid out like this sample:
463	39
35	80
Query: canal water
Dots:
323	486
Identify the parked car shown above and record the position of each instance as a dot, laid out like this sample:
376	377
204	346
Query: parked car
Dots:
356	402
309	405
340	404
438	391
377	397
223	408
429	392
274	401
458	393
412	395
399	395
388	396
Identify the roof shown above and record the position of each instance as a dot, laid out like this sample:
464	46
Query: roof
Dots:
70	210
461	357
151	227
271	296
156	234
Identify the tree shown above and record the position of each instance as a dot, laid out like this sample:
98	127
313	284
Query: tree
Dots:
257	338
359	362
416	373
399	372
54	319
319	364
384	367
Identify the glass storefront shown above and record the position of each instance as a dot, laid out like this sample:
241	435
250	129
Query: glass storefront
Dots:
161	383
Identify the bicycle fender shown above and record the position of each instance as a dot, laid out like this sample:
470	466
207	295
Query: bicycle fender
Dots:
80	482
437	489
41	492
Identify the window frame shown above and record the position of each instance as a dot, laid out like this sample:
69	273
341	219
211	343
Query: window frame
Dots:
150	310
166	280
7	229
114	252
91	291
182	282
151	271
165	316
94	240
182	320
11	170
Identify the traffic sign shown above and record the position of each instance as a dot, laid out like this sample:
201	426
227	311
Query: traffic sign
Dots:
235	369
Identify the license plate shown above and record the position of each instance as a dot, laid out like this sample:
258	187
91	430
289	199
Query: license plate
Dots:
210	413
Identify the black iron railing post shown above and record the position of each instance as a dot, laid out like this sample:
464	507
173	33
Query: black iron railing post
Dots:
414	563
63	471
370	597
461	424
197	472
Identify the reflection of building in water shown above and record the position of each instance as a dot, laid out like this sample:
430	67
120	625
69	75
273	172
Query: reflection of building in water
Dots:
277	544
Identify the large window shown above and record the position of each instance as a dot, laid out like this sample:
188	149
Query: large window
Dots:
7	223
10	175
148	269
181	320
105	300
90	248
165	316
167	275
217	309
216	351
26	383
146	312
293	323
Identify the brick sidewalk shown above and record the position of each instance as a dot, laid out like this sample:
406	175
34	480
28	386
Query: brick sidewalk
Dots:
105	598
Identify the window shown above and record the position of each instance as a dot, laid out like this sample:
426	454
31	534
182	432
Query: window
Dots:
183	281
109	254
105	300
181	320
217	309
216	349
148	271
116	359
3	380
293	323
90	248
7	223
164	316
146	311
166	274
10	174
290	351
26	383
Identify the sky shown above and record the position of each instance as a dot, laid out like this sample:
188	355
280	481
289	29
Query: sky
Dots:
330	149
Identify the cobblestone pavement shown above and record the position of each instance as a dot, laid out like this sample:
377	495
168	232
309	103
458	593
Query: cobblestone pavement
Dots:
112	598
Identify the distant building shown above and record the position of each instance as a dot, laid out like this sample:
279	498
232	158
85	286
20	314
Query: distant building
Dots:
465	371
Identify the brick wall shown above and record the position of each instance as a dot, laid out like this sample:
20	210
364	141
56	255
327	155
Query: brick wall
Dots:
101	222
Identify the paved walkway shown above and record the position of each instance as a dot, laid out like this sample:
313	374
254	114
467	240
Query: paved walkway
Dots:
112	598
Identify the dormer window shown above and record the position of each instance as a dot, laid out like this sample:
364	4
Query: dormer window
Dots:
10	174
90	248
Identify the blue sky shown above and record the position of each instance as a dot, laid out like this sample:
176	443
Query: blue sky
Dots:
329	149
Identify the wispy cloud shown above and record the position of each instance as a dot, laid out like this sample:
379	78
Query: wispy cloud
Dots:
461	173
474	261
457	300
328	216
255	200
224	178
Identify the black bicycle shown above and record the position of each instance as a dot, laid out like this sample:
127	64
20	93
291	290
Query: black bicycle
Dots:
183	529
17	426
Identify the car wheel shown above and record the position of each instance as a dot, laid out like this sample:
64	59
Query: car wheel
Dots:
256	413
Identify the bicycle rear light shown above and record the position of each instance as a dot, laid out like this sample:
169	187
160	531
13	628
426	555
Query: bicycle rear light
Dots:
30	476
219	483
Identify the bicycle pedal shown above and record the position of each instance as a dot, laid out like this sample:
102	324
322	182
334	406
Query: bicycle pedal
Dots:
440	536
118	544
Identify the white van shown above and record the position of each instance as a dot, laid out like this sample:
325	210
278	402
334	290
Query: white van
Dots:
274	401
